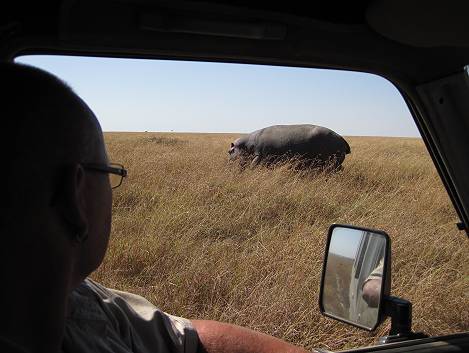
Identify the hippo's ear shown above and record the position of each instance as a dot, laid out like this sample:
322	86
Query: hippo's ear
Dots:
232	144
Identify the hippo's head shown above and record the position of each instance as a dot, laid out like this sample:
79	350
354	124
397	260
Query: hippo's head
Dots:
236	150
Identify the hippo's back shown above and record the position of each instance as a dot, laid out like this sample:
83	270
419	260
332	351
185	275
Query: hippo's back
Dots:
307	140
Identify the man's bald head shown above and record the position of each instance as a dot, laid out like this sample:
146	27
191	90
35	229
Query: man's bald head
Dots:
46	125
46	121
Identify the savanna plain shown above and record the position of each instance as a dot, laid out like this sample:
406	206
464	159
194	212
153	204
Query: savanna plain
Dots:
201	238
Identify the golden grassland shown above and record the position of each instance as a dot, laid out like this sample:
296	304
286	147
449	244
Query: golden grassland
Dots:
200	238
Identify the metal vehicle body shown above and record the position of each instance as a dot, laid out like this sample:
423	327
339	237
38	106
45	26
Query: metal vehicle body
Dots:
423	57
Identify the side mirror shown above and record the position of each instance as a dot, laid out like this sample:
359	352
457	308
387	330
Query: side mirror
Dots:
356	275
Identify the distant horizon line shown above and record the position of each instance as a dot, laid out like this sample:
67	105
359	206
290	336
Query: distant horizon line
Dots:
232	133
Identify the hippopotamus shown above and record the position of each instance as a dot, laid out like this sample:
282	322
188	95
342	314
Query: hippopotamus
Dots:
311	144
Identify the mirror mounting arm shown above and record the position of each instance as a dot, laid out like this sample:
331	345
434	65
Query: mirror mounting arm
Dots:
400	311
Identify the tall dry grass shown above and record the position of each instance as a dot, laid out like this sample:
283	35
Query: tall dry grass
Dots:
202	239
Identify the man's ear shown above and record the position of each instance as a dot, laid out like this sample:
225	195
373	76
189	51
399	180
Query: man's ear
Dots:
70	200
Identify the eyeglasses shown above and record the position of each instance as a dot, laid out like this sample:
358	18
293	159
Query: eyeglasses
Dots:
116	172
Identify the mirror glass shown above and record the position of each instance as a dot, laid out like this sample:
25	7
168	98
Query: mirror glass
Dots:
352	284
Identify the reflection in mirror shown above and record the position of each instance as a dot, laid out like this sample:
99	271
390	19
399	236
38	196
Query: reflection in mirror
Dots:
352	284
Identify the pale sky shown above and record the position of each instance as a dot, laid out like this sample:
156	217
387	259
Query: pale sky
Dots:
184	96
345	242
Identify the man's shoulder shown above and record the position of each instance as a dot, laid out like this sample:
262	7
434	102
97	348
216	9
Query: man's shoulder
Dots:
89	286
131	321
113	297
126	311
92	298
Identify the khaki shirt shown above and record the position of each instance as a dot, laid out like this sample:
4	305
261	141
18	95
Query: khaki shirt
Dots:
377	273
106	320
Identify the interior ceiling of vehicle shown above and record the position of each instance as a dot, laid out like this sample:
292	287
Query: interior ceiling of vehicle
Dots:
420	40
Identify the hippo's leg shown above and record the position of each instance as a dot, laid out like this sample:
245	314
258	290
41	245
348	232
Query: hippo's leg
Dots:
335	164
339	159
256	161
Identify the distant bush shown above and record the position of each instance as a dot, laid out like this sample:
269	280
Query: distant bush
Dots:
168	141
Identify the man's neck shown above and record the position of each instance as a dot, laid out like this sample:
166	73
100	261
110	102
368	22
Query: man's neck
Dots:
34	304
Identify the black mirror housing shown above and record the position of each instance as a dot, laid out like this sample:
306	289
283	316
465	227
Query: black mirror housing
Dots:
356	276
